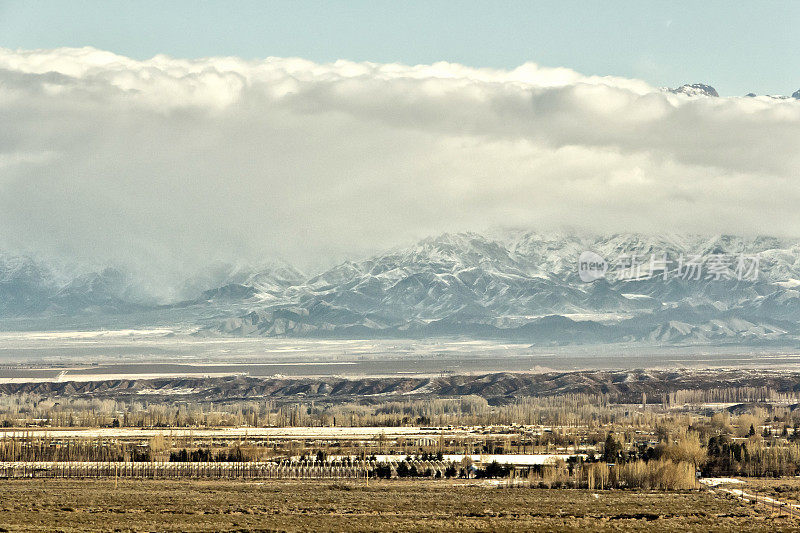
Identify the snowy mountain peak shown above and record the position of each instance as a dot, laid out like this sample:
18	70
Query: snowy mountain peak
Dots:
695	89
518	285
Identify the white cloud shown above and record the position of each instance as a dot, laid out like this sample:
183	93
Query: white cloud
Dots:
169	164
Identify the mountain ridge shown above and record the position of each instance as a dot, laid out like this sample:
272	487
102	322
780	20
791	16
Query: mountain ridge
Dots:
518	285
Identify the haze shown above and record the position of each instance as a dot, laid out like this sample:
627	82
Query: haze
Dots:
168	164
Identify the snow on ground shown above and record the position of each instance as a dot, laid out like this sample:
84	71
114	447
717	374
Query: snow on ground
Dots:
242	432
80	335
288	432
515	459
154	375
714	481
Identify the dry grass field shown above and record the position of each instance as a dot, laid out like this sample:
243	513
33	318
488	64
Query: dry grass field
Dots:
419	505
784	489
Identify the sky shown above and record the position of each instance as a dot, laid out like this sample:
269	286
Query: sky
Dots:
137	137
738	47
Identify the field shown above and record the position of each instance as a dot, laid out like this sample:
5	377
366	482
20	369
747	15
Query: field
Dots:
97	505
783	489
584	450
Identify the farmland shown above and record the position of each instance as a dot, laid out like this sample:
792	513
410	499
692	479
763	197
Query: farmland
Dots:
569	451
396	505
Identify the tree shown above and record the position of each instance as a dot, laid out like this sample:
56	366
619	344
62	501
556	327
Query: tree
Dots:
611	449
495	469
383	470
402	469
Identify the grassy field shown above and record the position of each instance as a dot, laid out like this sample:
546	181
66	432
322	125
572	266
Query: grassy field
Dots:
96	505
783	489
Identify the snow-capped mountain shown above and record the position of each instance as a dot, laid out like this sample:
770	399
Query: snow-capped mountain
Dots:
25	286
695	89
108	291
701	89
526	285
517	285
31	288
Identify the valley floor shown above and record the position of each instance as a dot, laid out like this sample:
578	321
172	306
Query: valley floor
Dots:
419	505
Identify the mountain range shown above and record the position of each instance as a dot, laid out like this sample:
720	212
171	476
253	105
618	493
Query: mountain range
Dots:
519	285
701	89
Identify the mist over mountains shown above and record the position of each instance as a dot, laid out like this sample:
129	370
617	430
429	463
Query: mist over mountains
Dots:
520	286
164	164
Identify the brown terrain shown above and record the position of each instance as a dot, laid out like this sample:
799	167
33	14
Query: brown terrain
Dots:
620	386
162	505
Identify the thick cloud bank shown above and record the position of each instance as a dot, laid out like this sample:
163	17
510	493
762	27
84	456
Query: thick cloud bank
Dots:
169	163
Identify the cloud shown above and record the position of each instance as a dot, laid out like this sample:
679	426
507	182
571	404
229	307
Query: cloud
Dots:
166	165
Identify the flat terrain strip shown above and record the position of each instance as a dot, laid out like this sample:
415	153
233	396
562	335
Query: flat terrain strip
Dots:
424	505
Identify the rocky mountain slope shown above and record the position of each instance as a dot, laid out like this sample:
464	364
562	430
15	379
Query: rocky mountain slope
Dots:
516	285
695	89
619	386
526	286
